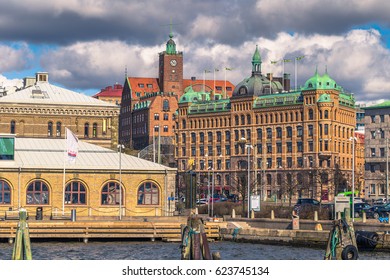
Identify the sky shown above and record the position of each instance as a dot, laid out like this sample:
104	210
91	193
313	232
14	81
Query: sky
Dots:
86	45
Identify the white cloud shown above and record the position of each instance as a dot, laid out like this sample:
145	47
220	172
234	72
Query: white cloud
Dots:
14	57
356	60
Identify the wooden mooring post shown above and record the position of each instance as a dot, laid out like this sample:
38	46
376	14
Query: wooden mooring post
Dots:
194	244
22	246
342	240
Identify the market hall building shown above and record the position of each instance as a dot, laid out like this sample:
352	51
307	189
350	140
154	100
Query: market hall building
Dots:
100	183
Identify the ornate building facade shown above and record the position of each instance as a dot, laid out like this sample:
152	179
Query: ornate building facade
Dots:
290	143
377	134
43	110
149	105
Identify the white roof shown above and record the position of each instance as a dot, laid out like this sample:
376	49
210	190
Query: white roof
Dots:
50	154
46	93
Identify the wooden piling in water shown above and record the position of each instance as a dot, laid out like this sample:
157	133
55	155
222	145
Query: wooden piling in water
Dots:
22	246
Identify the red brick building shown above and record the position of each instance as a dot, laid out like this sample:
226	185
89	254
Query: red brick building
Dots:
149	105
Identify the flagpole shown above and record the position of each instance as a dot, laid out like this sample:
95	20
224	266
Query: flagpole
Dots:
224	89
154	147
283	76
204	80
63	177
295	73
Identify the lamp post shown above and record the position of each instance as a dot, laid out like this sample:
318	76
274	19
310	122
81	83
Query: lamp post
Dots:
387	170
353	139
120	147
248	146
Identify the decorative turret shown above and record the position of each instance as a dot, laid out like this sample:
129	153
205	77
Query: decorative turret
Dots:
171	45
256	62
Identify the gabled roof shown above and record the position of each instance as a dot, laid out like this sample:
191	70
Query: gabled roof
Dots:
143	85
46	93
49	154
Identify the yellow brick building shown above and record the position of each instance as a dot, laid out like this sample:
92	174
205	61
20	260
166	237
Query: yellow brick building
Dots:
34	177
43	110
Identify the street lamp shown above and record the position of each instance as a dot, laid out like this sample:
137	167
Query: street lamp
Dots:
249	146
120	147
353	139
387	166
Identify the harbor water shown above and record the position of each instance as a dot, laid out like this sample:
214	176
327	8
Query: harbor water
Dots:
145	250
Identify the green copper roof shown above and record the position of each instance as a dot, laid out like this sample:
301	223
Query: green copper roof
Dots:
142	105
256	58
256	62
192	96
171	45
280	99
385	104
321	82
324	98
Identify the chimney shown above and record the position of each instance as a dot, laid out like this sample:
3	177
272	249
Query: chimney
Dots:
42	77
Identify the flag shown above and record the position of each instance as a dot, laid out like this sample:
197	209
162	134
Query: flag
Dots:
274	61
72	145
216	70
299	57
207	71
229	69
286	60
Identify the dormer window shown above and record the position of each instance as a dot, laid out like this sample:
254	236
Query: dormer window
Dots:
242	90
141	85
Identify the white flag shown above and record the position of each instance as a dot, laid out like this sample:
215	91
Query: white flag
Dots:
72	145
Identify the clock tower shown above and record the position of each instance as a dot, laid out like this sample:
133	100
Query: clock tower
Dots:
171	69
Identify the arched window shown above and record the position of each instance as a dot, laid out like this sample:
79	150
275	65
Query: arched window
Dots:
326	114
12	127
58	129
50	129
37	193
148	194
86	130
242	120
111	193
75	193
5	192
248	119
94	130
236	120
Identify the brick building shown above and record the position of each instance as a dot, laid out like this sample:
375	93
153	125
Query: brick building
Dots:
149	105
111	94
43	110
32	175
377	134
291	143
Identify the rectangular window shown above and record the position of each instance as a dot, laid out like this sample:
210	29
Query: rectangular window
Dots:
183	151
300	162
372	189
227	150
279	162
269	148
279	148
259	148
165	128
300	146
382	118
311	147
269	162
373	152
289	147
310	130
382	151
210	150
373	119
382	189
201	150
166	117
193	151
156	117
227	164
289	162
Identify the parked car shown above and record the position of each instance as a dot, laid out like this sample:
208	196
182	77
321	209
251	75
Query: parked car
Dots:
306	203
380	201
378	211
360	207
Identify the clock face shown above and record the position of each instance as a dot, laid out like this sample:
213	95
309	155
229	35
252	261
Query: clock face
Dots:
173	62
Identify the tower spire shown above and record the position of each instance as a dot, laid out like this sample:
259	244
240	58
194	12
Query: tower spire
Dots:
256	62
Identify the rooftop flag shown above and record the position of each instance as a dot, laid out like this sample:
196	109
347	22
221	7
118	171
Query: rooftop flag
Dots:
72	145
